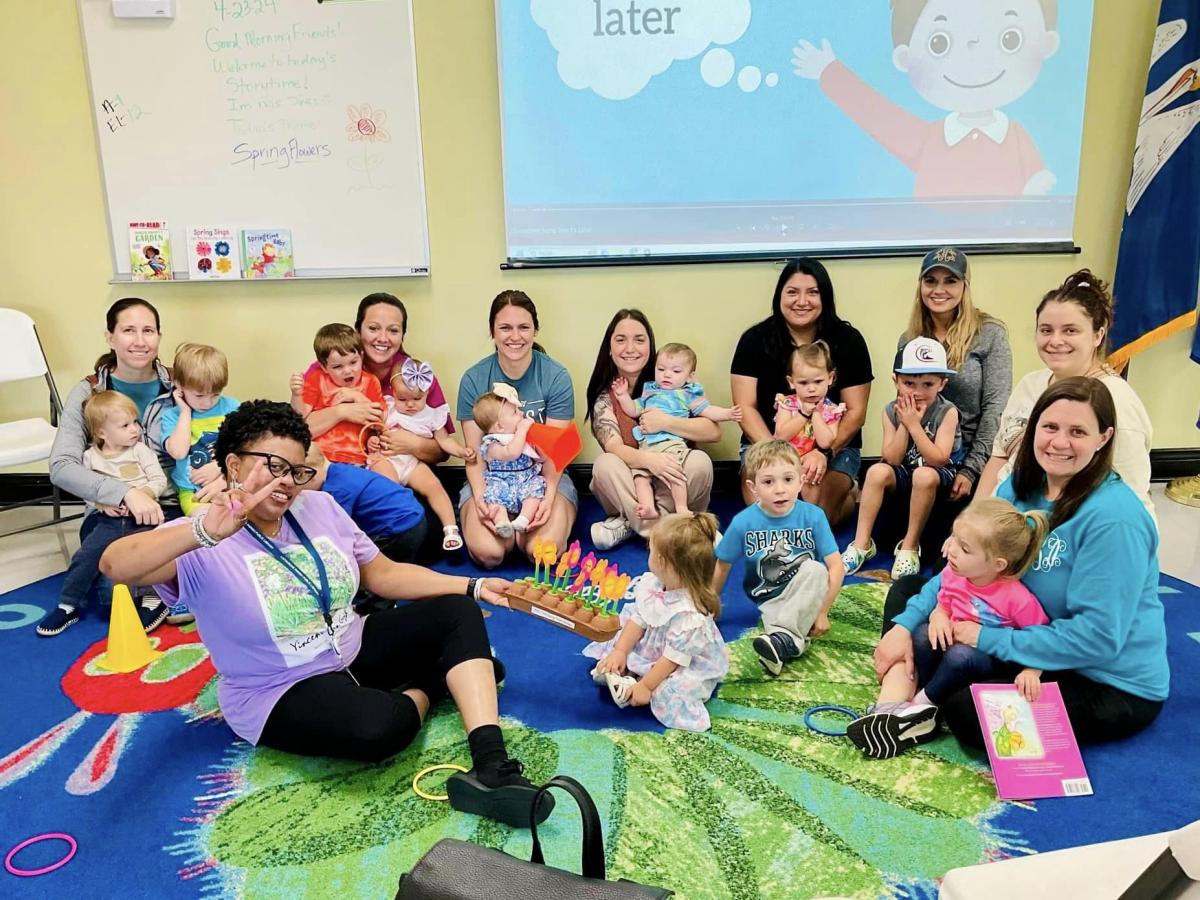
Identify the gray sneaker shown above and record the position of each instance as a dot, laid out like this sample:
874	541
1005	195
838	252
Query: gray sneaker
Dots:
612	531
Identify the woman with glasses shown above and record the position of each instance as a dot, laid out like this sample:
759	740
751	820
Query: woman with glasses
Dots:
270	572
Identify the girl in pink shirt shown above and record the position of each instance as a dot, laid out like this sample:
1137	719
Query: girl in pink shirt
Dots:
993	544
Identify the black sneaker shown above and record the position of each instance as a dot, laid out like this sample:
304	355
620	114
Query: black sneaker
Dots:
892	729
501	793
152	611
774	650
57	621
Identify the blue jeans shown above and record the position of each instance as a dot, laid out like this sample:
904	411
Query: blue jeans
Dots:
943	672
83	574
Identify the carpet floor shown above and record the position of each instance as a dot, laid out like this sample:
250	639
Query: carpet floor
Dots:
165	802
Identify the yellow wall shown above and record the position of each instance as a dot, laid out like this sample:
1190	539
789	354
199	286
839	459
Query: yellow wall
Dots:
55	258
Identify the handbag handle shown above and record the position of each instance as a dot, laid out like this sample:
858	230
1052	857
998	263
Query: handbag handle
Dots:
592	865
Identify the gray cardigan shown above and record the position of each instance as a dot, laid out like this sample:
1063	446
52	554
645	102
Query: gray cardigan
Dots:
66	456
980	389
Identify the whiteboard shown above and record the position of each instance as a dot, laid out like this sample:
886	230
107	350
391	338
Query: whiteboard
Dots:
264	114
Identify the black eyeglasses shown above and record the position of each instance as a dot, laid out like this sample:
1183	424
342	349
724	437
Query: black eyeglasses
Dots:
278	466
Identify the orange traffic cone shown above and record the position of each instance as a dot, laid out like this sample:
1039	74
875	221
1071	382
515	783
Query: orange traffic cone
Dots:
128	644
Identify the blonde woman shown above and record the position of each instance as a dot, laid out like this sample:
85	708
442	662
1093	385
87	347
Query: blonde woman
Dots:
977	349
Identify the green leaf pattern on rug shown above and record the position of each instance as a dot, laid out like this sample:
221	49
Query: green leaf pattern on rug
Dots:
760	807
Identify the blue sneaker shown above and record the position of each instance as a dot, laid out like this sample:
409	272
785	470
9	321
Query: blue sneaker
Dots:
774	649
57	621
179	615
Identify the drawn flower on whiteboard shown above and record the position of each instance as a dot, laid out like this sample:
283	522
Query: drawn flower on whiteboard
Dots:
203	248
223	264
222	248
366	124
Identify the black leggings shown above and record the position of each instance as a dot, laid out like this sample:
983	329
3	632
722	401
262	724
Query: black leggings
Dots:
1099	712
331	715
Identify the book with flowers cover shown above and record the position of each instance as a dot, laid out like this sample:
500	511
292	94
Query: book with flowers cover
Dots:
268	253
150	251
213	253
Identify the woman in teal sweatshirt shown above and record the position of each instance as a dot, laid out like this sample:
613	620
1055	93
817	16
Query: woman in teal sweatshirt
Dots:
1096	577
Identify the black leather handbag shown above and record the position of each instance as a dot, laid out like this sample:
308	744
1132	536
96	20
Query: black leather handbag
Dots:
458	870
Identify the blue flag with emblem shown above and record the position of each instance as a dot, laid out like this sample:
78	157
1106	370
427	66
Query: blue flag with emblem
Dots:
1158	264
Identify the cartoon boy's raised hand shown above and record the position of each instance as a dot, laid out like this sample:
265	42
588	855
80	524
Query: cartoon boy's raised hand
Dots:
969	58
809	61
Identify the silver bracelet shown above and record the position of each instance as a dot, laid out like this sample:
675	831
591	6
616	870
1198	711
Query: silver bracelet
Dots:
203	538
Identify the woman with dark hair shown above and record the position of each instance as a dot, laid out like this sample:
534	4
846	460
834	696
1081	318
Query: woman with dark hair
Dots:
1096	576
1073	321
546	396
803	311
271	571
628	350
382	322
130	367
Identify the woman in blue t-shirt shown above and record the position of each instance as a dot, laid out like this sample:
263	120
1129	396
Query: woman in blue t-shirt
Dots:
1096	576
547	396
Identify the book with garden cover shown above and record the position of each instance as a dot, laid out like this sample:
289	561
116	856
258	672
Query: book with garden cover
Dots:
1031	746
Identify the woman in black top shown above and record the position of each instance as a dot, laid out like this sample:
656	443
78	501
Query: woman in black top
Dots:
803	311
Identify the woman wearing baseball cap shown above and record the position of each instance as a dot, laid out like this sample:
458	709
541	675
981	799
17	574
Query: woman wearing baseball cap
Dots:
977	349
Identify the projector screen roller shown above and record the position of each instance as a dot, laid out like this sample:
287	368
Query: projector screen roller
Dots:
735	128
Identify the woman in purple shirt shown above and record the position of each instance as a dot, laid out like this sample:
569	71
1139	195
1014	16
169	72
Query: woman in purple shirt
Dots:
271	573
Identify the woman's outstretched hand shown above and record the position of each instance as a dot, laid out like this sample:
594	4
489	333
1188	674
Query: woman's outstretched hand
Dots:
228	510
492	590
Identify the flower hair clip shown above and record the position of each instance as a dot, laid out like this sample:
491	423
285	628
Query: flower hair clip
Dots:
418	376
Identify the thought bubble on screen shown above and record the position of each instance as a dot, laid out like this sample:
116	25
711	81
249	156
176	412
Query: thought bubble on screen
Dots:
614	47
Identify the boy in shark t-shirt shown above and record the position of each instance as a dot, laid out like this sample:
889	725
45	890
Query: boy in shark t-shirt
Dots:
793	567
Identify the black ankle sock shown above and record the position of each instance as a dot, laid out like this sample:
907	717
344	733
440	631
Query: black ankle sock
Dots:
487	747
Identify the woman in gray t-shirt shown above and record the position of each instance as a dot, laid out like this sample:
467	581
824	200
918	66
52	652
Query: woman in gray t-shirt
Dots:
977	349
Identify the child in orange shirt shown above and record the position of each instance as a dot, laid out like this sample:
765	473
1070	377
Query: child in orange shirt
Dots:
339	380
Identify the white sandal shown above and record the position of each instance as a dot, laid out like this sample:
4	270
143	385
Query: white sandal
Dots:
451	538
620	687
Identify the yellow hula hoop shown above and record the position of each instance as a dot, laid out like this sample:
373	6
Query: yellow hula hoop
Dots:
416	778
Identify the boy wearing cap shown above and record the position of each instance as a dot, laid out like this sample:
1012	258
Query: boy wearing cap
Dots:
922	449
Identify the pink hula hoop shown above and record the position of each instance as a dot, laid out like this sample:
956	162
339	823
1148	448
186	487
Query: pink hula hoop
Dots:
51	836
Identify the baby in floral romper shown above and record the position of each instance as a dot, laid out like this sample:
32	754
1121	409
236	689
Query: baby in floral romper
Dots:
669	638
513	477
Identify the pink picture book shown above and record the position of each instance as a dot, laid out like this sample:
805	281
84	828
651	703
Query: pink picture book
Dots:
1031	746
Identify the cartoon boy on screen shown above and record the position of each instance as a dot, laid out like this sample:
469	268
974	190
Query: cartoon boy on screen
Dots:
969	57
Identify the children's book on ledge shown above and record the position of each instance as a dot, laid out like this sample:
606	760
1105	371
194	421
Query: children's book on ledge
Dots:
1031	746
213	252
267	253
150	251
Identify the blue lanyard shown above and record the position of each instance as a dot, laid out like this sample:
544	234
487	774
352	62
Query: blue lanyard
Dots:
322	595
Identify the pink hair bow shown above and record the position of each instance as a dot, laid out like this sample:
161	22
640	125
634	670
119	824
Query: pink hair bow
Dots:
417	375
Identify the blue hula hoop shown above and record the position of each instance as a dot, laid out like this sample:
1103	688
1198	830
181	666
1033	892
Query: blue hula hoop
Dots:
824	708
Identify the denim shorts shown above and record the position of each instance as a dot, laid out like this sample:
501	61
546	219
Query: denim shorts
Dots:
848	461
566	490
904	476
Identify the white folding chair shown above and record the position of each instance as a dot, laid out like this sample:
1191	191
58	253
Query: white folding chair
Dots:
27	440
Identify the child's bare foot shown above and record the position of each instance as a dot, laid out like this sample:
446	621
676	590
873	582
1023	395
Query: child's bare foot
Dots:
646	511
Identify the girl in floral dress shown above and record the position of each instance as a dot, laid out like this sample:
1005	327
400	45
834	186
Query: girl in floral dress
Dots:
669	653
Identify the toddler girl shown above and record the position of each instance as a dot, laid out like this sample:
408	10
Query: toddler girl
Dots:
409	410
118	452
674	392
668	636
807	418
992	545
512	479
